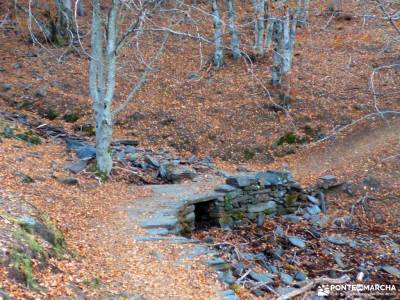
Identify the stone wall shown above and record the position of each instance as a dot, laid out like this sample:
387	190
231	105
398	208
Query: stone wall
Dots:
242	199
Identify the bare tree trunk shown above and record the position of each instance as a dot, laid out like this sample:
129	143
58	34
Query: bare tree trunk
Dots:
277	55
218	51
232	29
302	12
268	33
102	81
80	10
289	32
259	7
62	30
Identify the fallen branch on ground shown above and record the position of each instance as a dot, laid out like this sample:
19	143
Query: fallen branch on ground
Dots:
314	282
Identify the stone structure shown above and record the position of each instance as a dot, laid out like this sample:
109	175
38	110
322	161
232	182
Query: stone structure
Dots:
243	198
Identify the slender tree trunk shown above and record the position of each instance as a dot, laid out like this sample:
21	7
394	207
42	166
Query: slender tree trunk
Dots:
277	55
63	28
302	12
80	10
102	81
259	7
218	51
289	32
232	29
268	33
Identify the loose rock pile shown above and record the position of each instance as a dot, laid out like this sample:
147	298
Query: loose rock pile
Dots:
142	165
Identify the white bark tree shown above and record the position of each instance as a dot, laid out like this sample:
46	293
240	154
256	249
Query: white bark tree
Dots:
105	43
102	80
218	59
233	32
259	11
302	12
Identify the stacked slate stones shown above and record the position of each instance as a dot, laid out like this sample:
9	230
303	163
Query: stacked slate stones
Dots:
245	197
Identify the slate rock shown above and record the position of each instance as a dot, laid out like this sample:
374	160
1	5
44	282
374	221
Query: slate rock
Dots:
296	241
277	253
226	277
24	178
158	231
76	166
313	199
238	269
337	240
4	87
125	143
278	231
42	90
261	277
372	182
228	295
292	218
179	174
300	276
391	270
268	207
69	180
86	152
313	210
260	220
224	188
286	278
274	178
215	261
160	221
151	161
327	181
338	260
193	76
241	181
285	290
272	269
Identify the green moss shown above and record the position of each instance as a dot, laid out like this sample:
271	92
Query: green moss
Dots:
8	132
30	241
290	199
234	287
30	137
71	118
228	201
93	283
23	263
51	114
94	169
249	154
237	215
59	244
186	229
287	138
88	129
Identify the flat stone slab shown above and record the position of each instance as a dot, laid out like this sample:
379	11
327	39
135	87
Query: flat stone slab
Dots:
169	222
269	206
157	231
204	197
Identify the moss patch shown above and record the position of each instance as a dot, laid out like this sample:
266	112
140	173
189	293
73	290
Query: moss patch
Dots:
21	262
30	137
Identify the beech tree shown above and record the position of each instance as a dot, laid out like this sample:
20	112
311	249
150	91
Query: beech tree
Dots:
218	59
106	41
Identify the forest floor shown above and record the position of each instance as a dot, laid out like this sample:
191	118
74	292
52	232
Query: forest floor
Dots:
225	114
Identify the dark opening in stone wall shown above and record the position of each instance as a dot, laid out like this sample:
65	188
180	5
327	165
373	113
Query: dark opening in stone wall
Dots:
203	215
